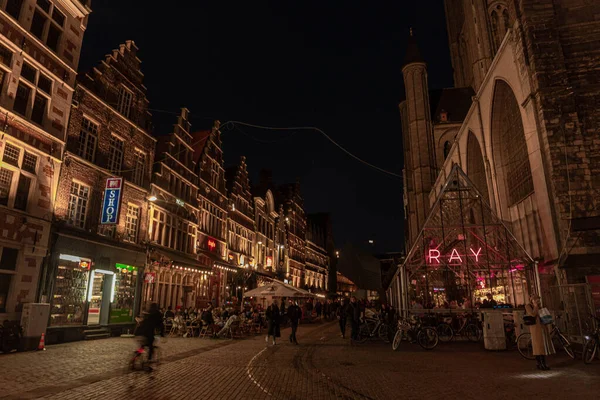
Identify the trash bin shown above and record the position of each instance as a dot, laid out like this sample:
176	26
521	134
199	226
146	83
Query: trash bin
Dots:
520	326
494	337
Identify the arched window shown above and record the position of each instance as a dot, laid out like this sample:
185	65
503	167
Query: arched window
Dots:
510	148
447	147
495	29
506	18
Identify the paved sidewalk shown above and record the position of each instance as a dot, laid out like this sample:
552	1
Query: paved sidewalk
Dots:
324	366
64	363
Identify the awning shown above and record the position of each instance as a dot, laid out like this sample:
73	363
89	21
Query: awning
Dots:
104	255
177	259
277	289
218	262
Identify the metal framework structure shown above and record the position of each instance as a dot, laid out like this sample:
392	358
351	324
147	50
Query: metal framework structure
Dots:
465	252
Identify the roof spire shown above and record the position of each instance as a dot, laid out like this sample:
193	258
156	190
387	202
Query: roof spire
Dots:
413	55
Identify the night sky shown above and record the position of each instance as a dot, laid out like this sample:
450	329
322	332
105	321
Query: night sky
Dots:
334	65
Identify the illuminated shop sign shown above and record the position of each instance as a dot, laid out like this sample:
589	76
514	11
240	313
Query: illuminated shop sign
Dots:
435	257
112	201
211	244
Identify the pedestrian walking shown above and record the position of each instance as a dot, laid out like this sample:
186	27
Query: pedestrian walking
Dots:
272	315
319	308
342	316
540	334
294	313
354	315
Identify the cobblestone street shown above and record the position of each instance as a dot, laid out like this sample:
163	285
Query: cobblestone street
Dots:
323	366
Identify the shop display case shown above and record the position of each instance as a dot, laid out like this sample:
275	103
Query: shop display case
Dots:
124	294
70	289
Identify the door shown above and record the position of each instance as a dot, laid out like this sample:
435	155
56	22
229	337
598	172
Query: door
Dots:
95	294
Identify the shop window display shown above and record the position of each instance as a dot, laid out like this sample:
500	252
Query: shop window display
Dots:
124	294
70	289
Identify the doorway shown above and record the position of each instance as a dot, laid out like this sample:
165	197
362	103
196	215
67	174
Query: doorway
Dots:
99	293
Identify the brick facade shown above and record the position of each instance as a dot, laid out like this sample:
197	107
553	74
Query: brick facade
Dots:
36	87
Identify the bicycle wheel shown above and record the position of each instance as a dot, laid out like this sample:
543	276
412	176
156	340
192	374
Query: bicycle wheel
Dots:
566	345
445	332
427	338
524	346
590	349
384	333
136	363
364	331
397	340
472	333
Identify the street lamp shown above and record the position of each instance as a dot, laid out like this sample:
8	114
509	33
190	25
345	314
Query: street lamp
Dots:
152	198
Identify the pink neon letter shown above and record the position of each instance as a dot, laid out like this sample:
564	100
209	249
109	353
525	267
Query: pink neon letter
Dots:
476	254
454	256
434	254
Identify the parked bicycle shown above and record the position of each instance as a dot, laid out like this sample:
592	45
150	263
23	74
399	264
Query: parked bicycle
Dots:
413	330
372	328
469	328
559	340
591	348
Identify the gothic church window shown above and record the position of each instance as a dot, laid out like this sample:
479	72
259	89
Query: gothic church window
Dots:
447	147
509	137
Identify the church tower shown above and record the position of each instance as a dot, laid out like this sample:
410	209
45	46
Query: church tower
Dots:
419	149
476	29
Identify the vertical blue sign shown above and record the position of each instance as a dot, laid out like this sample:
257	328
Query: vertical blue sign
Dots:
112	201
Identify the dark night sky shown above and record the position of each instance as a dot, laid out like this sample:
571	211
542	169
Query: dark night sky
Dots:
334	65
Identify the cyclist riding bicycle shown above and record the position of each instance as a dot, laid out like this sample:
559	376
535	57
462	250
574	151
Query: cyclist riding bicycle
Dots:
152	322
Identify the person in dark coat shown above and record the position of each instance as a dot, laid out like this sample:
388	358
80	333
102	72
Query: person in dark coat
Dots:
152	322
273	315
354	315
318	308
294	314
169	313
342	316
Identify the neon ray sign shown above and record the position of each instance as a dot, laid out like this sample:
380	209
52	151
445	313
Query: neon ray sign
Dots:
434	256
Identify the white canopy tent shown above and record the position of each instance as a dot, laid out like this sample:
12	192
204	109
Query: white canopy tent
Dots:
277	289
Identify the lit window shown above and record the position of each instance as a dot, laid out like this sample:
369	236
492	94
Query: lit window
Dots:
139	168
87	139
125	98
78	203
11	154
131	223
115	155
29	162
6	176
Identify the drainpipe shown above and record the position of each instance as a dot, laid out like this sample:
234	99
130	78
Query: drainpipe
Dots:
490	175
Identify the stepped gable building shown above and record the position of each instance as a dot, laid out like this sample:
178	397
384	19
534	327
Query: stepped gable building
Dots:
213	204
40	43
100	240
240	218
528	138
295	220
179	280
318	261
269	237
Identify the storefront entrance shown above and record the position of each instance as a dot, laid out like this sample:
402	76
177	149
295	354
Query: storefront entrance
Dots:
99	296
